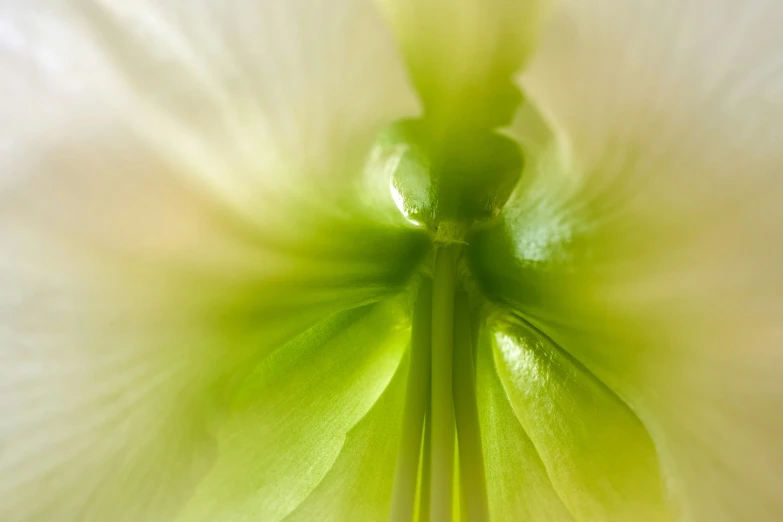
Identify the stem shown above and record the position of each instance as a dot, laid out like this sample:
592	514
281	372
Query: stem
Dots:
442	409
416	398
471	457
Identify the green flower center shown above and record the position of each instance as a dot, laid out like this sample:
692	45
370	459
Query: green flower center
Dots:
447	179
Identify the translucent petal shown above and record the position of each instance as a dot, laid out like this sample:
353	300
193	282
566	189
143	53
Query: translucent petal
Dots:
179	197
518	485
359	485
292	414
645	240
597	453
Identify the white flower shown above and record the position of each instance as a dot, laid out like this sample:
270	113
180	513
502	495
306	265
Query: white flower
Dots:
209	292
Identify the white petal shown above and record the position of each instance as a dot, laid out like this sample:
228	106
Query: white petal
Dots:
669	117
172	180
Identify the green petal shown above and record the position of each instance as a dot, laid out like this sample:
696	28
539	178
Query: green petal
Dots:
183	192
646	240
518	485
359	485
291	417
461	55
597	453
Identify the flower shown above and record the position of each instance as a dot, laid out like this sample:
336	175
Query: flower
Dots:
283	260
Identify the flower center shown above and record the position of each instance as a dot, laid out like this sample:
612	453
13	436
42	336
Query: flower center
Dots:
447	174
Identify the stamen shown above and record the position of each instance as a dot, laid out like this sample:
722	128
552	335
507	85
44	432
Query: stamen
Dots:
471	458
416	400
426	476
442	409
440	419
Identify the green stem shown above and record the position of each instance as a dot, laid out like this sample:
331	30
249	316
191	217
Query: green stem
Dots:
416	399
441	406
471	458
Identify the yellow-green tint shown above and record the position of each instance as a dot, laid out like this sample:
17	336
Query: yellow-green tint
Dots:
462	54
441	405
435	177
416	404
518	485
304	397
596	451
358	486
472	478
